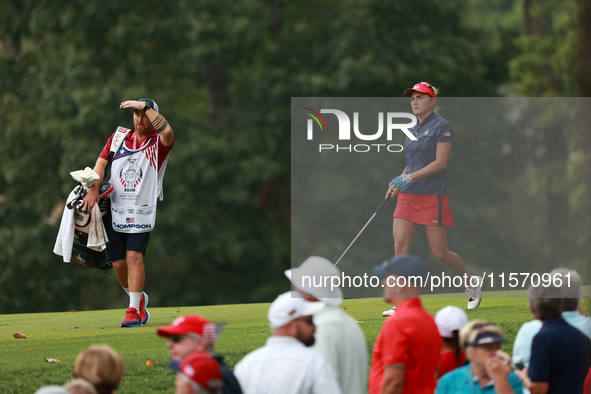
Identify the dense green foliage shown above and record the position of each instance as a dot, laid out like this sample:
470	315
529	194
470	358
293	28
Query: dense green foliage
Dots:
223	73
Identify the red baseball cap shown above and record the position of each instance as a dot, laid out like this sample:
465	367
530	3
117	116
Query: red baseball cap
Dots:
201	369
423	87
191	324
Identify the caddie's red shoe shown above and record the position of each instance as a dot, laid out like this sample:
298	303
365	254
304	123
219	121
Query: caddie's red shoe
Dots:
132	318
144	314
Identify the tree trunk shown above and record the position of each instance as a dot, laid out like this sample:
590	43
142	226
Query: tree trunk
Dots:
275	25
15	45
537	22
217	89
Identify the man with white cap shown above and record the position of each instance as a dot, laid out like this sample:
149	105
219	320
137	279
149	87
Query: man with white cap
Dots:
338	336
286	364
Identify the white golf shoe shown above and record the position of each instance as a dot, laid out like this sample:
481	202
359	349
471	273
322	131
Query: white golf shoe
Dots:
474	293
389	312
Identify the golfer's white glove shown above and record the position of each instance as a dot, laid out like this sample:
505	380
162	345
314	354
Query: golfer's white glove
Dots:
401	180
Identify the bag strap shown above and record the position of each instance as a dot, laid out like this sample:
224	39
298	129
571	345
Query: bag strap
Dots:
116	143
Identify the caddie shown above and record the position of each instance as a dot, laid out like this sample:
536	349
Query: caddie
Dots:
137	171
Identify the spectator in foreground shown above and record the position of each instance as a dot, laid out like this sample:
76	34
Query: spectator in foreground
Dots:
406	352
80	386
194	333
286	364
449	321
338	336
559	352
102	366
571	313
197	374
489	370
52	390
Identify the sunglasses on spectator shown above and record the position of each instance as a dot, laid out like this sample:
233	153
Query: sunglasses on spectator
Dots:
308	320
176	338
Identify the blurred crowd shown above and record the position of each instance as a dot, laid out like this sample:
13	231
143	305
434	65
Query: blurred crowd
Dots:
316	347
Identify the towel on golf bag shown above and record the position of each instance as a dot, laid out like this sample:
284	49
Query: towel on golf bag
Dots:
87	177
92	223
97	234
65	235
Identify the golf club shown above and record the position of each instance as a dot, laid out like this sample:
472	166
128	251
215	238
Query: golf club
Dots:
370	219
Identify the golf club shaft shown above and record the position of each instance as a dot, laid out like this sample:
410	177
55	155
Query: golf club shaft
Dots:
369	221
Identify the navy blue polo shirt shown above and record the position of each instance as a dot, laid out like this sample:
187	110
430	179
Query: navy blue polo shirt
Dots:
422	152
559	356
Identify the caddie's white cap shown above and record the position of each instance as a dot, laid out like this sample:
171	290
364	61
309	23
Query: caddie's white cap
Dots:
316	269
449	319
289	306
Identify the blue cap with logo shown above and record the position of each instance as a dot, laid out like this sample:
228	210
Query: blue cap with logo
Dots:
404	265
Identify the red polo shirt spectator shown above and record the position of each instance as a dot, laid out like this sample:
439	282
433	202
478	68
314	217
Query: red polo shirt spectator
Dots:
409	337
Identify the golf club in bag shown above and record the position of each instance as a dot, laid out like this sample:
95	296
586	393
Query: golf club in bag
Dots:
357	236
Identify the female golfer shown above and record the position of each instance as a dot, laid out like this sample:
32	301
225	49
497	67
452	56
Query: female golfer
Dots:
422	187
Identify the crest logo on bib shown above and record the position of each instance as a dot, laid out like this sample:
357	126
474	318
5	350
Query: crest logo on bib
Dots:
131	176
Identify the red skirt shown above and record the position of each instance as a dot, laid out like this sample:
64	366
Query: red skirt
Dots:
424	209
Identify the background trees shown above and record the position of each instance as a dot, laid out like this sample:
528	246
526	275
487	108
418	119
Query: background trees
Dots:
223	74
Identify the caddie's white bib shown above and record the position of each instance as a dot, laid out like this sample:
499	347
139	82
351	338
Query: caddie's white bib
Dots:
137	184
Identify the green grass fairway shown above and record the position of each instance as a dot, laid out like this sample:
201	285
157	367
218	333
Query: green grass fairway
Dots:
63	335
